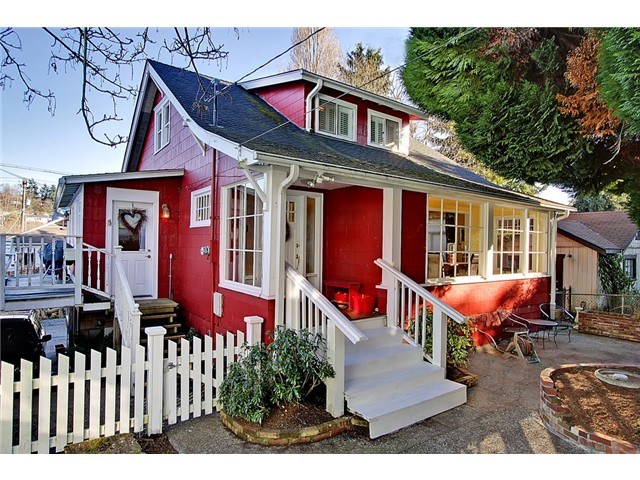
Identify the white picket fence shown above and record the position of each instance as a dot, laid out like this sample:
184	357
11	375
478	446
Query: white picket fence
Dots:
47	413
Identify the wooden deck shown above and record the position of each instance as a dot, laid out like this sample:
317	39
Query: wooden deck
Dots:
35	291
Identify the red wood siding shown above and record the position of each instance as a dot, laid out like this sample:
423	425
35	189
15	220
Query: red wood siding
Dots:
353	236
288	99
95	221
413	253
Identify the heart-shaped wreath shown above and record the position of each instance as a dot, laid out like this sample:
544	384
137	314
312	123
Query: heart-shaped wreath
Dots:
133	219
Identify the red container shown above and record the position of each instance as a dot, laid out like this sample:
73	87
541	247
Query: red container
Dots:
363	303
341	297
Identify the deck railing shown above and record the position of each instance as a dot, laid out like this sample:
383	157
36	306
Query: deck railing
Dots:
307	309
95	261
411	307
45	263
126	310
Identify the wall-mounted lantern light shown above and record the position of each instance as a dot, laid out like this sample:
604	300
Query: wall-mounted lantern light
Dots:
166	213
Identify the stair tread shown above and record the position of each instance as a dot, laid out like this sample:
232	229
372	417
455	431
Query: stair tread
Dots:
358	385
379	351
158	316
381	406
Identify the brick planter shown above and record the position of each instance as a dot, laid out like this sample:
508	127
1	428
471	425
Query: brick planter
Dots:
609	324
556	418
272	437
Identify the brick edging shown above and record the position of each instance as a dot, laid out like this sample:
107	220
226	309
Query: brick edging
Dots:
269	436
555	417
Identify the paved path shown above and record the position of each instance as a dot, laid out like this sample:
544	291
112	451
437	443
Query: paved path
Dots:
500	415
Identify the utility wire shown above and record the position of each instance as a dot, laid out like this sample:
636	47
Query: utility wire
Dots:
359	87
265	64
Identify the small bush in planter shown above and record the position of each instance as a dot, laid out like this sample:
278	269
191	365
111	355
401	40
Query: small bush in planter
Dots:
459	340
286	371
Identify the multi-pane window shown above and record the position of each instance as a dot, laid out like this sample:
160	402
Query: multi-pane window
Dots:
336	118
243	235
630	267
162	125
454	238
538	241
384	131
201	208
508	235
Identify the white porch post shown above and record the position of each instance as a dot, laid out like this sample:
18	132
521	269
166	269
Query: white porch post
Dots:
439	337
488	241
155	350
3	269
391	243
254	329
336	357
79	270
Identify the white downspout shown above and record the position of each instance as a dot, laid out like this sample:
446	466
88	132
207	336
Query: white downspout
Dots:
294	173
552	255
309	103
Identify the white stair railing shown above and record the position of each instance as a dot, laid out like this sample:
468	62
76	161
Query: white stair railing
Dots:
410	306
95	260
126	310
307	309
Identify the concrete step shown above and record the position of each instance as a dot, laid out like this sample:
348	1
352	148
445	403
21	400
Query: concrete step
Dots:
364	389
393	411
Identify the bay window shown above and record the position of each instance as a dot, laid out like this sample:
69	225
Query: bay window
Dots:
454	238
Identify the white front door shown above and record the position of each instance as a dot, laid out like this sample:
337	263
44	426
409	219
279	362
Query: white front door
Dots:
132	223
304	234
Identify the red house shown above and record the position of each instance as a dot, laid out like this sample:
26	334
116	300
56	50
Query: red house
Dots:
305	202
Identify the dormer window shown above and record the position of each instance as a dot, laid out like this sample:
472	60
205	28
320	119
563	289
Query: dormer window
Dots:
162	125
384	130
336	118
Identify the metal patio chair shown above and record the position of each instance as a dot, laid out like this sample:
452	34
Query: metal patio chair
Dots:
564	319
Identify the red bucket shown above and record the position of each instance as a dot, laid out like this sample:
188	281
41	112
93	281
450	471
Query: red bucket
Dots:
363	303
341	297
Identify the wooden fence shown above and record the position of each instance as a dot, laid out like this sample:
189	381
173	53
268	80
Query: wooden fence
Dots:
46	413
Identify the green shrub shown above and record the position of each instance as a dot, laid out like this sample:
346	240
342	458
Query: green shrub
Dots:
245	391
286	371
459	341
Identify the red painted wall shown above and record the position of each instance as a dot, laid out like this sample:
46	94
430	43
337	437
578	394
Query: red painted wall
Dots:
413	250
195	277
288	99
353	236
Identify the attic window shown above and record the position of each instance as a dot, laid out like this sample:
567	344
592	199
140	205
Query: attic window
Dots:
162	125
384	131
336	118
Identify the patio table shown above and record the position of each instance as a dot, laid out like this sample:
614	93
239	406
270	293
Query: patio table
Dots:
545	326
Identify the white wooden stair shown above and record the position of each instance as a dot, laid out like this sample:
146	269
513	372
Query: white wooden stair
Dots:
388	383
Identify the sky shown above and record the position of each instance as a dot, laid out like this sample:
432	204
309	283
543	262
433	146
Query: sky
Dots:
33	138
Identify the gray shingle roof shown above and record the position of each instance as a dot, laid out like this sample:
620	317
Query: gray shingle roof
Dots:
609	232
243	115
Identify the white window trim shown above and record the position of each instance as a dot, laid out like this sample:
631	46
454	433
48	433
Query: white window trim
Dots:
375	113
354	127
199	223
239	287
157	111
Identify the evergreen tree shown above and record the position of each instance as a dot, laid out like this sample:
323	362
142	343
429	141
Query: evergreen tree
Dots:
365	67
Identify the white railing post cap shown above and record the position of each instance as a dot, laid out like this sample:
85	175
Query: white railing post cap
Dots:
153	331
253	320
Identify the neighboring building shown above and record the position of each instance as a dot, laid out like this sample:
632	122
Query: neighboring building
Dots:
582	237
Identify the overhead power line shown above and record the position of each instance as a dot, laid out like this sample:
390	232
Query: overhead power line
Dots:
22	167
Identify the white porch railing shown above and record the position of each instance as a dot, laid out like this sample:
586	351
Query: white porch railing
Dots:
306	308
126	310
95	260
409	307
25	269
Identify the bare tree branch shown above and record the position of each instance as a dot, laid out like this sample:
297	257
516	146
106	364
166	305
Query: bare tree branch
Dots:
100	54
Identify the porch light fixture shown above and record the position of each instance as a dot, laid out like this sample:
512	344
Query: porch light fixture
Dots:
319	178
166	213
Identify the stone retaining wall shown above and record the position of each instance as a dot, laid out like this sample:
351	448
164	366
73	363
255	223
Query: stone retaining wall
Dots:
609	324
266	436
556	417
